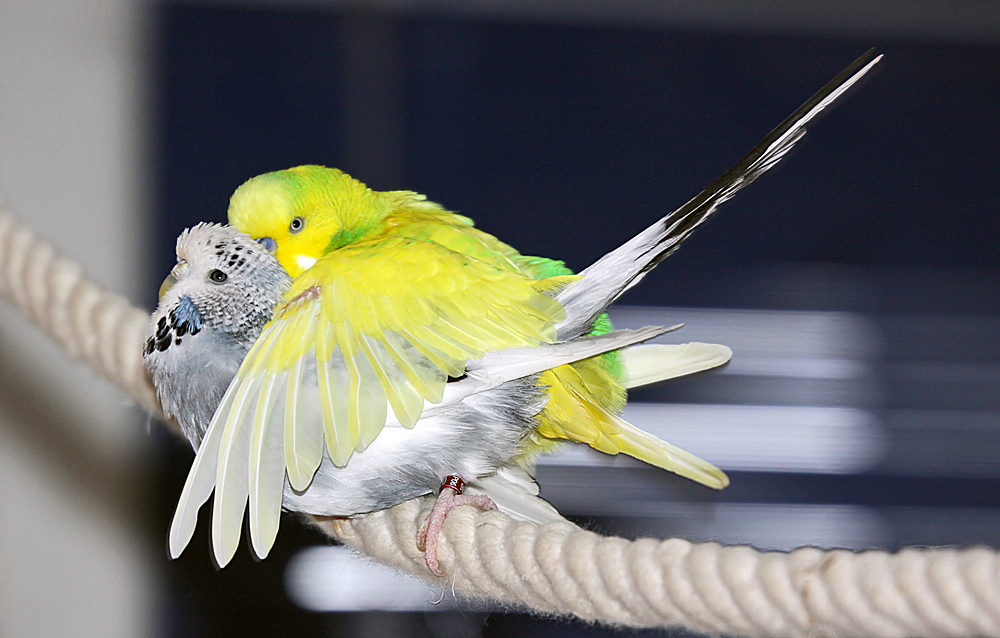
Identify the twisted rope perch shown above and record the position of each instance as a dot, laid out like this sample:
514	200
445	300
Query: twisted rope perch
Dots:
559	568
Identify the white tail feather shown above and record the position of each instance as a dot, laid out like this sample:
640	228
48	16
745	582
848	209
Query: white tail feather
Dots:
516	495
651	363
506	365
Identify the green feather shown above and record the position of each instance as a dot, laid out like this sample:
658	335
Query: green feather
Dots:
543	268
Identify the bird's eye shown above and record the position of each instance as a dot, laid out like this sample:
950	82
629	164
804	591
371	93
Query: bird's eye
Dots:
297	224
217	276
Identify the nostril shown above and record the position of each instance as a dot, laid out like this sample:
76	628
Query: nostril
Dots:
268	243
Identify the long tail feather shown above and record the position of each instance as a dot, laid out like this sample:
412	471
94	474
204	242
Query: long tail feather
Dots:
646	447
575	416
514	363
605	280
651	363
500	366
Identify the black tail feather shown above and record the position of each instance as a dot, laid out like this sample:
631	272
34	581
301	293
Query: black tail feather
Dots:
619	270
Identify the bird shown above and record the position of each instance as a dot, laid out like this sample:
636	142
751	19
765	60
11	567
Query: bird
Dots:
212	307
223	291
386	370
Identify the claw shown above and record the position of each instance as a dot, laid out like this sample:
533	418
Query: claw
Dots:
448	499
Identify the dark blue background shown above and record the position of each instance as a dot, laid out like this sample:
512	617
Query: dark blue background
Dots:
566	140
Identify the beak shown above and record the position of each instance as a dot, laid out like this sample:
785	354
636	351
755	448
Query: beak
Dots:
167	284
180	271
268	243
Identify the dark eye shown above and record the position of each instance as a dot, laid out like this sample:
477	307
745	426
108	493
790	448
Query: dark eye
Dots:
217	276
296	224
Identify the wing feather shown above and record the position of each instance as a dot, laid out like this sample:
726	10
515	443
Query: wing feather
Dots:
446	339
267	470
200	480
427	378
386	323
298	335
404	399
333	383
346	339
303	429
439	351
468	334
510	326
231	477
368	402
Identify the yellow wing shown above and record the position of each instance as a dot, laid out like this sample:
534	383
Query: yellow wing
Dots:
372	326
387	323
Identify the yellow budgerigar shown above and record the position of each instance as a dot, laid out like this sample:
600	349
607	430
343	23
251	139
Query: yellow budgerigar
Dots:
411	351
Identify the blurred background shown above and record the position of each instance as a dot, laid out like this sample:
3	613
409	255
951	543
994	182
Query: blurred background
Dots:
858	284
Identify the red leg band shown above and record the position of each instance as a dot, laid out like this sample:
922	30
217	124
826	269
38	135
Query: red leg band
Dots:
454	482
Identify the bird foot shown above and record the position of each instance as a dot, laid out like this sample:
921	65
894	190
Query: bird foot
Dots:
448	499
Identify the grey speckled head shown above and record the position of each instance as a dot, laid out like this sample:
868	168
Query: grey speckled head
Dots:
212	308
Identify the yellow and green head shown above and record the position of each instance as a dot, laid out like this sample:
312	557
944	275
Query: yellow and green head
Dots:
305	212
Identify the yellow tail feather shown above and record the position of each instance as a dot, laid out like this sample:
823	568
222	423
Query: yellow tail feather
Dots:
571	415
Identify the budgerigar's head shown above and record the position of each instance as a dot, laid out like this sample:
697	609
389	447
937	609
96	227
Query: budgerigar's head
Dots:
212	308
223	280
304	212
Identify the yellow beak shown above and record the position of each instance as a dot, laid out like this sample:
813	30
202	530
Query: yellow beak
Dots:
167	284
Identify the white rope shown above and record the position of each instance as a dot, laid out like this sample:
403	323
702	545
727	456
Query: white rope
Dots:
90	323
559	568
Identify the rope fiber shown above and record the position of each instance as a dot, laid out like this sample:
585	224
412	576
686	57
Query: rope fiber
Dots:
561	569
